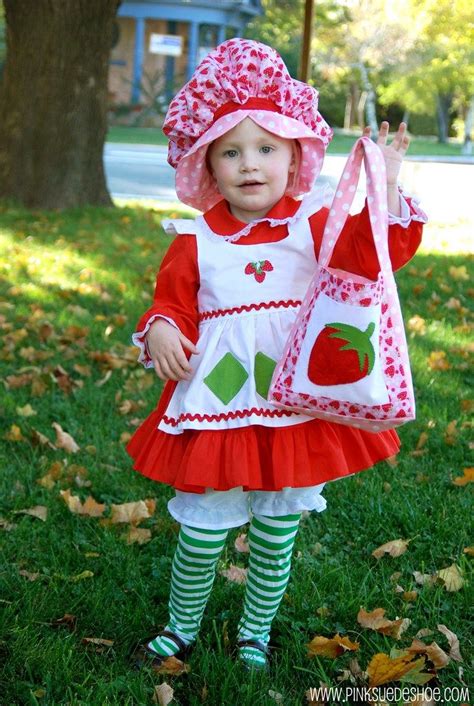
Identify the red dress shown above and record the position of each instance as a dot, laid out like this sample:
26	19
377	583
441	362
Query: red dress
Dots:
257	457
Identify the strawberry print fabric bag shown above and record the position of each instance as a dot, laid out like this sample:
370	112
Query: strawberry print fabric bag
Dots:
346	358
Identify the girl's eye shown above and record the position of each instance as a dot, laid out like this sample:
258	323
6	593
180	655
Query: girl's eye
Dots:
266	149
230	153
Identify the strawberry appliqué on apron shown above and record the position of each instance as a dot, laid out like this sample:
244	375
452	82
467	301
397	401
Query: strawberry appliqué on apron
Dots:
259	269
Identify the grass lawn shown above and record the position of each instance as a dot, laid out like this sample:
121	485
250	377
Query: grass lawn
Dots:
340	144
72	286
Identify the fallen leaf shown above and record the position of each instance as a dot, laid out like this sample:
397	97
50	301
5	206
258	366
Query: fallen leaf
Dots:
417	325
424	632
99	644
90	507
242	544
68	621
467	406
467	477
31	576
49	479
38	438
433	651
450	435
64	440
277	698
39	511
163	694
5	525
104	380
138	535
425	579
171	665
409	596
330	647
26	411
419	450
437	361
451	578
459	273
376	621
454	650
235	574
395	548
469	551
14	434
382	668
133	512
83	575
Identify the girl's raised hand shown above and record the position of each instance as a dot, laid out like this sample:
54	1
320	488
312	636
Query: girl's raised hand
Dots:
394	152
166	346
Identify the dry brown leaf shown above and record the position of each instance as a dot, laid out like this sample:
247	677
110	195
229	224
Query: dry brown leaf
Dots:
424	632
469	551
451	578
419	450
235	574
133	512
38	438
171	665
394	548
49	479
467	406
99	644
5	525
330	646
454	650
68	620
376	621
433	651
437	361
382	669
467	477
15	381
14	434
39	511
138	535
31	576
104	380
83	575
450	435
64	440
410	596
459	273
242	544
425	579
417	325
91	507
163	694
125	437
26	411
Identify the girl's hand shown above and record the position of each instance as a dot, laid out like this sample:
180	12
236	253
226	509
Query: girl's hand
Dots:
393	153
166	344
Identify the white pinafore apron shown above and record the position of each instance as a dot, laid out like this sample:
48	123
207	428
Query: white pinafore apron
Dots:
248	299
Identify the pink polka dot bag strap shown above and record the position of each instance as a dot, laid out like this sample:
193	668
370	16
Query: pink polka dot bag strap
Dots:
346	358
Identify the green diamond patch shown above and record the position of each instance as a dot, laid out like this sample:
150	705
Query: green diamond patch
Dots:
226	378
264	367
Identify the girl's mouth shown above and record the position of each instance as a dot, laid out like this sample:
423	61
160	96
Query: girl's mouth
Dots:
249	185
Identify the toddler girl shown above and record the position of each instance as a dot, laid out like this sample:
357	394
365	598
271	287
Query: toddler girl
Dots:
246	139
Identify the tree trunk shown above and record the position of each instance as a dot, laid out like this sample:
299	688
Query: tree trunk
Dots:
53	102
468	125
443	104
370	104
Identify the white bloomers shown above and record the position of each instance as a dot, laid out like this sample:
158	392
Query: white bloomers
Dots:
224	509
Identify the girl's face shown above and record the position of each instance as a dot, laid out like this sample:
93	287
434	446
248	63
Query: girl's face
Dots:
251	168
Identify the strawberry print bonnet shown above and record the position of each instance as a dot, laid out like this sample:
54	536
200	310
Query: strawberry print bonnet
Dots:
241	78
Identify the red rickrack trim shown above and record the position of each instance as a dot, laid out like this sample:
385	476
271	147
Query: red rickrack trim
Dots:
225	416
285	304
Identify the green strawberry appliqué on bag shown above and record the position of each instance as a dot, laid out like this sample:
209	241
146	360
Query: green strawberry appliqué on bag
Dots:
341	354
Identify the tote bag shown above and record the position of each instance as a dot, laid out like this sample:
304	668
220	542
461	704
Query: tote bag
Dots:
346	359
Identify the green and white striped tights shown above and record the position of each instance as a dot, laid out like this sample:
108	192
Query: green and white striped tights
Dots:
271	541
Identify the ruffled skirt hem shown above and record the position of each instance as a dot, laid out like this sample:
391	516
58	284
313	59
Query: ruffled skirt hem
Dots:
256	457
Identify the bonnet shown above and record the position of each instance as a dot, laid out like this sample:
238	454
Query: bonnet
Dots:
241	78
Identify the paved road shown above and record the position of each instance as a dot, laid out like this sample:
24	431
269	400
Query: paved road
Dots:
444	188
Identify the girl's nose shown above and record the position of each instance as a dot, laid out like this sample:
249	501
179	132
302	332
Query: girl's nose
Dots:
248	163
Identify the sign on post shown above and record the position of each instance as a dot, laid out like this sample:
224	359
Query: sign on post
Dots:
167	44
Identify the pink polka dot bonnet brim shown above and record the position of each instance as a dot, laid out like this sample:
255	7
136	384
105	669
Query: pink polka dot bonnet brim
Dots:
196	186
241	78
